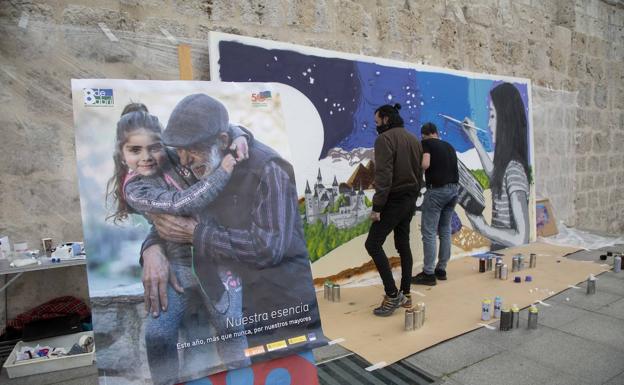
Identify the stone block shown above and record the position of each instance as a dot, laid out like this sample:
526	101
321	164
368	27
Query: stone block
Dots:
581	201
585	94
595	68
480	14
558	60
588	182
91	16
600	144
317	19
353	20
600	95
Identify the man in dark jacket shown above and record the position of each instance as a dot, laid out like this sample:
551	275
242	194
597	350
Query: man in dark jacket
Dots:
398	174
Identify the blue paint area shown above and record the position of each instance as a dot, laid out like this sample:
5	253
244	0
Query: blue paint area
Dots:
334	91
480	109
309	356
243	376
346	93
279	376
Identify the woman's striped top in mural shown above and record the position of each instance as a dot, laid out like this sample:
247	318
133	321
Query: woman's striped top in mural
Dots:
515	179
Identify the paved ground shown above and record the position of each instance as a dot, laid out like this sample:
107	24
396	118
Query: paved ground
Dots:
579	340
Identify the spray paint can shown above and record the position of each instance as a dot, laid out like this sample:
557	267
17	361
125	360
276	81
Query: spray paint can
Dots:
481	265
520	262
504	272
617	264
591	284
515	316
489	263
327	290
409	319
532	323
419	316
497	270
486	310
335	293
533	260
498	303
505	320
514	263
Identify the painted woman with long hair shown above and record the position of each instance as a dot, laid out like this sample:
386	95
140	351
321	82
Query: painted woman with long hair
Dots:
508	172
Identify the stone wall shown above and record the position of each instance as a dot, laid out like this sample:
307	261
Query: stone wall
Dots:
573	52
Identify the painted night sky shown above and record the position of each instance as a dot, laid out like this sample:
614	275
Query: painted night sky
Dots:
347	92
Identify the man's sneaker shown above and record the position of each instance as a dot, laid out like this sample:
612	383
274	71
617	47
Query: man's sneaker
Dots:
408	301
440	274
424	279
389	305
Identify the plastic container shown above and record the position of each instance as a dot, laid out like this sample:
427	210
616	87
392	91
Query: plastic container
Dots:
46	365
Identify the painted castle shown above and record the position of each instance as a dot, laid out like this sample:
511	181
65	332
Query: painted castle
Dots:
340	205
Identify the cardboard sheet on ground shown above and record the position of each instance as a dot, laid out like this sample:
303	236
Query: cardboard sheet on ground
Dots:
453	306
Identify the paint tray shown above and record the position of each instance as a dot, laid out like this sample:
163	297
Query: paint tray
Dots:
46	365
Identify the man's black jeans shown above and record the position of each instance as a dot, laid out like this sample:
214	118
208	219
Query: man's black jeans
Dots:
395	216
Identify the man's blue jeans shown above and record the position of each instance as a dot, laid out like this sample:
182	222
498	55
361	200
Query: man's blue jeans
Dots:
437	211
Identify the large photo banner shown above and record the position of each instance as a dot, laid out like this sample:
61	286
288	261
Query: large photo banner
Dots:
494	147
189	198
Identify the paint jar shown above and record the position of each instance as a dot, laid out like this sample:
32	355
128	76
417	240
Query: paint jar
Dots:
517	279
498	303
486	310
505	320
335	293
532	323
528	278
591	284
533	260
409	319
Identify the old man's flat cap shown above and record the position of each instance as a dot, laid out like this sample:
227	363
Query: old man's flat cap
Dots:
197	118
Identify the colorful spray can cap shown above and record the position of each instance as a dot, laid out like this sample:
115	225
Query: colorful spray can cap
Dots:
517	279
528	278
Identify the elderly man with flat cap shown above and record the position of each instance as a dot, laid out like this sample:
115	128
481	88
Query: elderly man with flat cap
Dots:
253	228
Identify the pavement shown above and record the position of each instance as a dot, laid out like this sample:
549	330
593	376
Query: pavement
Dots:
579	340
